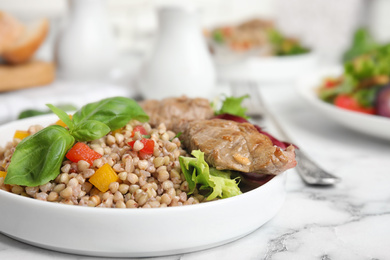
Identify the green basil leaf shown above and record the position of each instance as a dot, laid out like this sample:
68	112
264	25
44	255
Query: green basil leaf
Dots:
62	115
90	130
38	158
32	112
115	112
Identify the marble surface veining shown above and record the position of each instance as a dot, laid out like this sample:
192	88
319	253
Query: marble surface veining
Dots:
348	221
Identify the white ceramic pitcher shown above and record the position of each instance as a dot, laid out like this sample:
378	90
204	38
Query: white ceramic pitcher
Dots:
180	63
86	46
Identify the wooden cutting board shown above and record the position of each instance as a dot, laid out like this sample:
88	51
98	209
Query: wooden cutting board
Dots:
27	75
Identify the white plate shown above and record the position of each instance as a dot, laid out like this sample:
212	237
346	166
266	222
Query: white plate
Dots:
267	69
134	232
368	124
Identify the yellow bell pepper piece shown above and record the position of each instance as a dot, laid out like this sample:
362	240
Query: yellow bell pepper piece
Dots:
61	123
19	134
103	177
3	174
117	131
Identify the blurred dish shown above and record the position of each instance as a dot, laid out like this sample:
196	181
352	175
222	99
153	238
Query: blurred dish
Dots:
256	34
364	85
268	69
256	50
373	125
134	232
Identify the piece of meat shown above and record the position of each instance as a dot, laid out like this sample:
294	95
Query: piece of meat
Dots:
229	145
173	111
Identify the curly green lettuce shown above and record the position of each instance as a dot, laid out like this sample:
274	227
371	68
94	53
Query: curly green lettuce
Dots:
218	184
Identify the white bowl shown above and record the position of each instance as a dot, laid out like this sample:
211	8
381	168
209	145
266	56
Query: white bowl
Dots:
368	124
134	232
273	69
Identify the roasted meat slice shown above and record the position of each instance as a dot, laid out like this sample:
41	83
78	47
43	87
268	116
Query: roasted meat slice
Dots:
228	145
172	111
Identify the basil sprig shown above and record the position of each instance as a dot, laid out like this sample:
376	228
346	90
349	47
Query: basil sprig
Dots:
38	158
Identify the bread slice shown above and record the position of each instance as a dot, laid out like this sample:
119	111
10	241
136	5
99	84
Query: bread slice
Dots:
26	45
10	31
31	74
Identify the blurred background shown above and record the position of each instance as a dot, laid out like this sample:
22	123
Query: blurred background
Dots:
325	25
125	33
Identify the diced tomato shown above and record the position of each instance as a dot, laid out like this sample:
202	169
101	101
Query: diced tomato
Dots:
246	45
227	31
240	46
148	145
348	102
140	129
81	151
330	83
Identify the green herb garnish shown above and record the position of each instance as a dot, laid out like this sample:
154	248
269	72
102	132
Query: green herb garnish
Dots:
218	36
38	158
283	46
176	136
233	106
362	43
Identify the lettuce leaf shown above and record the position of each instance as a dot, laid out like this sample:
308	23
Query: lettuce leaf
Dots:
362	43
198	173
232	106
283	45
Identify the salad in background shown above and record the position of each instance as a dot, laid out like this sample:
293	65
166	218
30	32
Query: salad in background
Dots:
256	34
365	84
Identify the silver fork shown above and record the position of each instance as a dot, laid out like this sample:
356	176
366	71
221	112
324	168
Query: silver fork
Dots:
310	172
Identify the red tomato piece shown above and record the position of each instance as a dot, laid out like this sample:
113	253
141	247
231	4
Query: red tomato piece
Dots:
148	145
140	129
227	31
132	144
81	151
330	83
348	102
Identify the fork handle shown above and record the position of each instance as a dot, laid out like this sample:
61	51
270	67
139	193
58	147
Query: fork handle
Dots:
311	173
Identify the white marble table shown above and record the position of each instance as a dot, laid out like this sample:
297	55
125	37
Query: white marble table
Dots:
348	221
